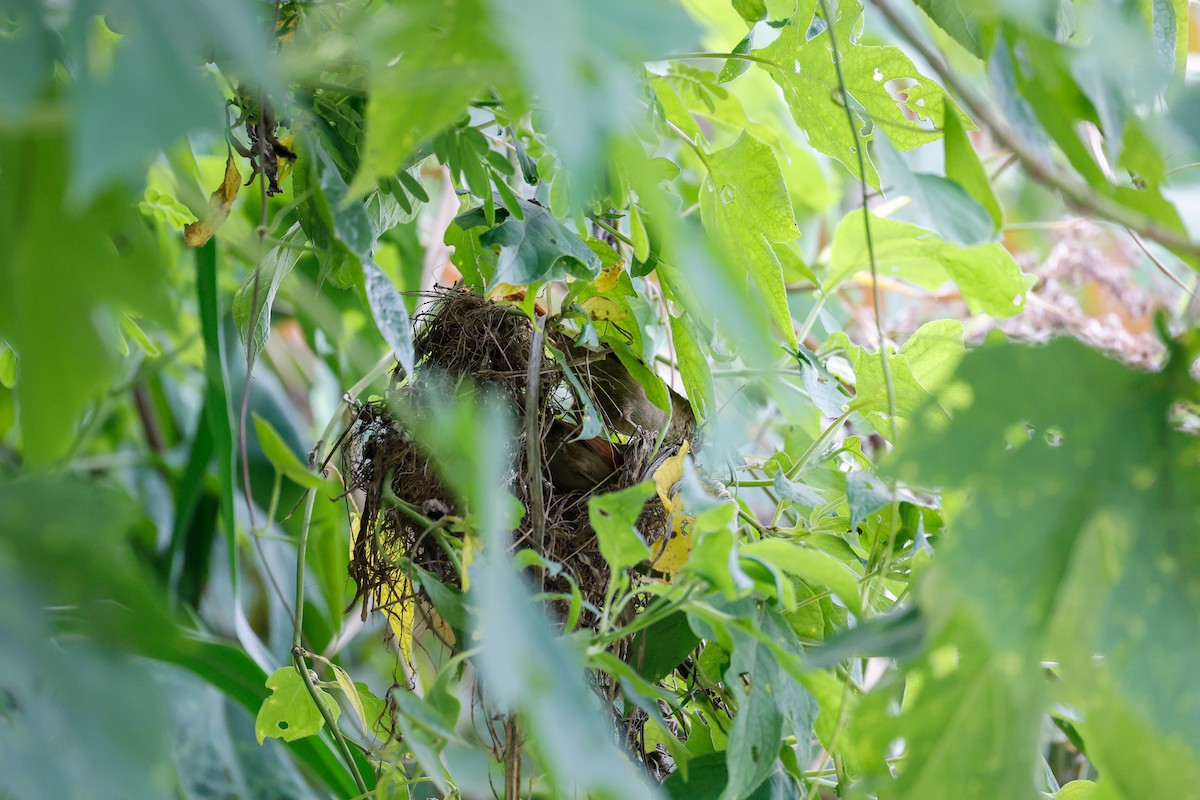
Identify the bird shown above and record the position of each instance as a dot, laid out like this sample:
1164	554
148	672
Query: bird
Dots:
622	401
589	464
579	465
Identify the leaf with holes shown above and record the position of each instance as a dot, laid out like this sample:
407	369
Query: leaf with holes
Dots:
885	88
290	712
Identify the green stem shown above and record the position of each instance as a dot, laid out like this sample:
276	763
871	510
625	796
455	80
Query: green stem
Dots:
819	442
724	57
813	313
302	667
866	214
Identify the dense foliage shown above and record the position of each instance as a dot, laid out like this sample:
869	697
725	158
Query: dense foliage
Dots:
924	273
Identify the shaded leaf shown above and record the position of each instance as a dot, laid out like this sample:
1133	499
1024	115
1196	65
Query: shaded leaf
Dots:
390	314
614	517
266	277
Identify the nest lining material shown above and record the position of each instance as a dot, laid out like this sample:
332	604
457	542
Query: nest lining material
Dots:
463	337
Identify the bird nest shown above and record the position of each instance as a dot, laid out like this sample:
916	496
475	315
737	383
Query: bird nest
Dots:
460	339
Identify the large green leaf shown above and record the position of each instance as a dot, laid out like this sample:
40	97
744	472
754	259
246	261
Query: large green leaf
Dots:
805	71
65	280
154	90
987	276
535	249
745	206
582	62
1077	546
290	713
447	57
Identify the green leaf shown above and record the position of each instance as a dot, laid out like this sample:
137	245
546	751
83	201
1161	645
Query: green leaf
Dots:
614	517
745	206
736	66
315	218
290	712
921	371
813	566
655	387
943	205
476	262
8	367
268	276
351	224
449	57
964	168
663	646
153	91
804	69
538	249
65	284
582	61
1077	790
694	370
390	314
1089	523
987	276
865	493
754	741
281	456
957	21
899	635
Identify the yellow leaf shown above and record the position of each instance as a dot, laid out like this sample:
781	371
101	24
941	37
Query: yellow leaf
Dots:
605	310
468	555
665	478
671	552
609	277
197	234
285	164
505	291
394	600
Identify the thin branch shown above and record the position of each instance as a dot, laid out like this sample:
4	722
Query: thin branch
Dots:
1079	193
533	440
866	216
1163	268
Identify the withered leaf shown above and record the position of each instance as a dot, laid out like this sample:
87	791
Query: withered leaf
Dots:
198	233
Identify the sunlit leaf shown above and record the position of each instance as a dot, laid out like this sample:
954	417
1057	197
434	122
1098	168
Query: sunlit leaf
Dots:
281	456
986	274
804	70
290	712
745	206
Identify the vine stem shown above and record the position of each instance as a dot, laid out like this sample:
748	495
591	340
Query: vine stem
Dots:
839	727
866	215
298	651
726	56
1078	192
